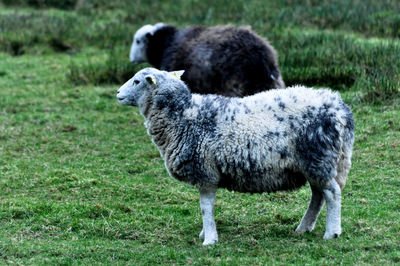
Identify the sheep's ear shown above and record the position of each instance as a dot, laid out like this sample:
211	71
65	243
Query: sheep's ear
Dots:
151	79
178	73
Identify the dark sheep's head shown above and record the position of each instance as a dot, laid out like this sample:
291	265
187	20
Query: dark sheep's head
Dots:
140	42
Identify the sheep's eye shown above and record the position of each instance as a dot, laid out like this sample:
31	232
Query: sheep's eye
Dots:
136	81
137	41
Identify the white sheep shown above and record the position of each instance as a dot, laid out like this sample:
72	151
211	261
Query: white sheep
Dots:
271	141
223	60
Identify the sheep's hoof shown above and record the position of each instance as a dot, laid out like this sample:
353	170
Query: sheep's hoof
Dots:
210	242
331	235
301	230
201	235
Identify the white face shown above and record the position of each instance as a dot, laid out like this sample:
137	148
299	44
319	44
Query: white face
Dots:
135	89
140	42
125	93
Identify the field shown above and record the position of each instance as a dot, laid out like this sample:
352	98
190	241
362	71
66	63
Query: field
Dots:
81	182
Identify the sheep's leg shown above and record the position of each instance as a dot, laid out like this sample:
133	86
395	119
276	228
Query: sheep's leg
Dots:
307	224
207	199
332	195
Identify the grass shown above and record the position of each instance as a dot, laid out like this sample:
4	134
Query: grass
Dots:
106	68
81	182
342	45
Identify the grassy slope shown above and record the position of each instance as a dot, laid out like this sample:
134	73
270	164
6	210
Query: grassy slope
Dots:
80	181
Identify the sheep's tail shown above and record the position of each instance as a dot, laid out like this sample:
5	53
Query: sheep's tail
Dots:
346	148
280	83
277	78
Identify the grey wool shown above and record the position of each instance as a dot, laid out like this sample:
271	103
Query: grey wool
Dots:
223	60
271	141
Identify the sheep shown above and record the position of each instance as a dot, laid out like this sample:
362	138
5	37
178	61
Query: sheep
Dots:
222	60
271	141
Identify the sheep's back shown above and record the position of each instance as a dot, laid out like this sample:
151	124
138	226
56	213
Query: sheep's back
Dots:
223	60
274	140
262	143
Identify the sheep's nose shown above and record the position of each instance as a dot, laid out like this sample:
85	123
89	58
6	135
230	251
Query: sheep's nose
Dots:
118	90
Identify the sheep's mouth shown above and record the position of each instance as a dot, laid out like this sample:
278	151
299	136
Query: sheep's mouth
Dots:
136	60
126	100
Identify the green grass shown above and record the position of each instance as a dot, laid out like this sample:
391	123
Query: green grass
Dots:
81	182
343	45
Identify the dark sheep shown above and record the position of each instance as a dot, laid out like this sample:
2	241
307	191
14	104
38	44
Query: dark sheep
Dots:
222	60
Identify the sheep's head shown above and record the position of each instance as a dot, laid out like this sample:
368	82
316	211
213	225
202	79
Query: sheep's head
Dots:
140	42
144	83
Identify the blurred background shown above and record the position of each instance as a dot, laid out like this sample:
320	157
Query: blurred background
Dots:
341	44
